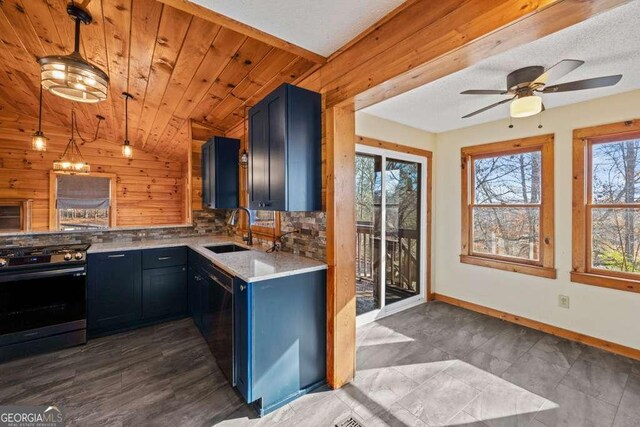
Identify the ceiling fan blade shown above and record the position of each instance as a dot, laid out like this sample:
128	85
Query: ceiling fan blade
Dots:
557	71
487	108
484	92
584	84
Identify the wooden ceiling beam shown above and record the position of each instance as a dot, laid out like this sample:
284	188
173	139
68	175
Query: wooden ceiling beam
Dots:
424	31
247	30
532	27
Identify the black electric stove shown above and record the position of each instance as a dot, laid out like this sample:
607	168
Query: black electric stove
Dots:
43	299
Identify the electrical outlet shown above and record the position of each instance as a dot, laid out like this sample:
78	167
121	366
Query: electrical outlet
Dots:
563	301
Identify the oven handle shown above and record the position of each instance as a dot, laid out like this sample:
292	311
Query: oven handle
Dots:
43	274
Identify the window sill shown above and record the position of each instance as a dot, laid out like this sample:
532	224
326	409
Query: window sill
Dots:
606	281
514	267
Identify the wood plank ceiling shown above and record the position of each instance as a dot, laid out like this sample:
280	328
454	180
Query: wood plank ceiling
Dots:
176	65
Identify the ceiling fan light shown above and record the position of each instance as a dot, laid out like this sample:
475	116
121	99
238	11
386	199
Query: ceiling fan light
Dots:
526	106
73	78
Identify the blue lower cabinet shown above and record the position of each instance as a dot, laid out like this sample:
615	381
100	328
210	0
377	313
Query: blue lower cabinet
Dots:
280	338
164	293
114	291
124	292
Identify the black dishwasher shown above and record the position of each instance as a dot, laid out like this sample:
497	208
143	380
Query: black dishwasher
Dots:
219	314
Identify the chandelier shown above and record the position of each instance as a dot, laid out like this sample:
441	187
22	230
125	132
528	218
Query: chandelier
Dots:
71	76
71	160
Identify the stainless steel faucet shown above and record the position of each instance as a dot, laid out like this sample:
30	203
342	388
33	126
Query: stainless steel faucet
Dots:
232	221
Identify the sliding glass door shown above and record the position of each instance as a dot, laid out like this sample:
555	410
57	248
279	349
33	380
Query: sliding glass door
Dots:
390	231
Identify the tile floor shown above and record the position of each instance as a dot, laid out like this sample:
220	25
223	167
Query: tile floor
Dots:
433	365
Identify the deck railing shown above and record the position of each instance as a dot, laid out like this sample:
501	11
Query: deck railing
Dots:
402	247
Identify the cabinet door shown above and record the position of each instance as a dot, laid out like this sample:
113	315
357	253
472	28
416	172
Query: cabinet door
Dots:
258	157
192	290
277	180
114	289
242	338
226	173
164	292
196	304
206	175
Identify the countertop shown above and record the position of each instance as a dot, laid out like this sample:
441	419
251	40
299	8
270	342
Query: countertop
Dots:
251	266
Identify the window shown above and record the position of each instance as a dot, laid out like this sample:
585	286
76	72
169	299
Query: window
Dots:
15	215
266	224
82	202
507	205
606	215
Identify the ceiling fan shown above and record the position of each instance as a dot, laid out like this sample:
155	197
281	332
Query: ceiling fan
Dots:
524	83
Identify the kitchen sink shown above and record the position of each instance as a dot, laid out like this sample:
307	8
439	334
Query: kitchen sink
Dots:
223	249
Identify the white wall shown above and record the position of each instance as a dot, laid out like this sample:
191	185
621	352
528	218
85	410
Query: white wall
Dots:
387	130
600	312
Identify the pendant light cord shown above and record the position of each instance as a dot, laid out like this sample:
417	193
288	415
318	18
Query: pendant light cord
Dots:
126	118
74	125
40	113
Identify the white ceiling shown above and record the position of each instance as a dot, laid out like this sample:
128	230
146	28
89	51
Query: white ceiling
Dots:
608	43
321	26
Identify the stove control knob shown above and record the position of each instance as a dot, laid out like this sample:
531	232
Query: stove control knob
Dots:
78	255
3	262
67	256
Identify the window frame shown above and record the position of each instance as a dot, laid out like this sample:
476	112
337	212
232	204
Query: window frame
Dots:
53	196
545	265
268	232
583	141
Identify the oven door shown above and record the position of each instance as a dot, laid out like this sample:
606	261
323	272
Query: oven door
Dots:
36	303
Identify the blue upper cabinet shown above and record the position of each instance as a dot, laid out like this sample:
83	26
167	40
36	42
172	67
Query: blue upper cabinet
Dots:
285	158
220	187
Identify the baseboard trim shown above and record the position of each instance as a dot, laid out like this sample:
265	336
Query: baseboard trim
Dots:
544	327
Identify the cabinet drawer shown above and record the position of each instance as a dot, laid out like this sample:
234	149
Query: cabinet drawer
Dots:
164	257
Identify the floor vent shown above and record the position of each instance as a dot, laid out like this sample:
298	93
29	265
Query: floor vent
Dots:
349	422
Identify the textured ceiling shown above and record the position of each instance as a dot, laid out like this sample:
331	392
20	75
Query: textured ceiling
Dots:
319	26
608	43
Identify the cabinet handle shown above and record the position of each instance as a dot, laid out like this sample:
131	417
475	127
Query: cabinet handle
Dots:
116	256
164	258
219	283
242	288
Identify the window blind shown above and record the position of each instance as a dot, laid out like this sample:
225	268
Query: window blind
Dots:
83	192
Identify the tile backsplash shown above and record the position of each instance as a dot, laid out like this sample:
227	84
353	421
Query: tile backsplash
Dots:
204	222
311	241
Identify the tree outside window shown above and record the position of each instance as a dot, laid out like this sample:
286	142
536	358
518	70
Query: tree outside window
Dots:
507	205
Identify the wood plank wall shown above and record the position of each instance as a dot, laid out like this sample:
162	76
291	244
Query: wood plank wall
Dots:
150	190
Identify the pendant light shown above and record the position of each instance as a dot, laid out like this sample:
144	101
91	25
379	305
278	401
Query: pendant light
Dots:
71	76
244	154
39	141
127	150
71	160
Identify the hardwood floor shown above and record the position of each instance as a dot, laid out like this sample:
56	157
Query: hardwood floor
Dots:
160	375
435	364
